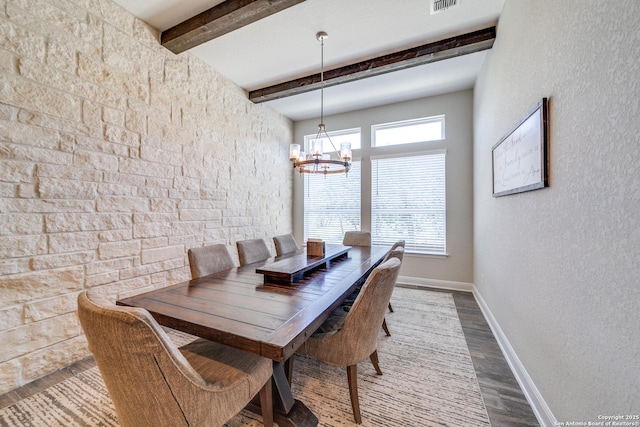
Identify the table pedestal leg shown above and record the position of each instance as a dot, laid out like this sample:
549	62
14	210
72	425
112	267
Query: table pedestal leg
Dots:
287	411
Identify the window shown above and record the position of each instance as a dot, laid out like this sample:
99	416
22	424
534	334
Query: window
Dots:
408	200
332	205
406	188
337	137
408	131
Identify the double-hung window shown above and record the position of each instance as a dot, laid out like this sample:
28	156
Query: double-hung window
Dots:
408	187
408	201
332	203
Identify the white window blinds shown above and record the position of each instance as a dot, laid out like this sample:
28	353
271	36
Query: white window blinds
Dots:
408	201
332	205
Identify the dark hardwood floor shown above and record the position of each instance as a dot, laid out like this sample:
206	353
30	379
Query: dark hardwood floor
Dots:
505	402
503	397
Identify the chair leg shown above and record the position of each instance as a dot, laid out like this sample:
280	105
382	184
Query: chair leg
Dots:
266	404
384	326
390	308
374	361
352	377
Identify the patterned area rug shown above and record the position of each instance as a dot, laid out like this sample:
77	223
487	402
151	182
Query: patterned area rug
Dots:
428	380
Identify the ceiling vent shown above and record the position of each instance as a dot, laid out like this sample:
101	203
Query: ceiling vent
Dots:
437	6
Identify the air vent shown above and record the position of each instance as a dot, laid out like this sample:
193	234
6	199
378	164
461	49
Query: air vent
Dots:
438	6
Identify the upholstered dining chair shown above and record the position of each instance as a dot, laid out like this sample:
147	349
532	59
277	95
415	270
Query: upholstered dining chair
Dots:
398	243
396	251
285	243
363	238
153	383
357	238
252	250
208	260
356	338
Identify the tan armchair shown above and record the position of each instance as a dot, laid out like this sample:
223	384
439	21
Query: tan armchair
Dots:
357	238
208	260
285	243
357	337
398	243
250	251
153	383
363	238
397	251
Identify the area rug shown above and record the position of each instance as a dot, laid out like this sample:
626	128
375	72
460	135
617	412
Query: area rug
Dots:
428	380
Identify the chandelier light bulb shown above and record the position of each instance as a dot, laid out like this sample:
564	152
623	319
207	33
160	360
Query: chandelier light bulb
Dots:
294	151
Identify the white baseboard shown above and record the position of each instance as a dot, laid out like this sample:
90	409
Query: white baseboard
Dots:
434	283
531	392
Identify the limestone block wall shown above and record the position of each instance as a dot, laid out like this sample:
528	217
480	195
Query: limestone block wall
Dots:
116	156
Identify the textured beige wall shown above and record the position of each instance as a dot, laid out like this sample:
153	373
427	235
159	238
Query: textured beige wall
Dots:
458	109
560	267
116	156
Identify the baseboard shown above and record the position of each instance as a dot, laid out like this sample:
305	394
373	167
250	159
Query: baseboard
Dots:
435	283
538	405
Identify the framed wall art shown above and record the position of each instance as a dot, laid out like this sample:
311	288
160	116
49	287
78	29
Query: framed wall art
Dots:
520	159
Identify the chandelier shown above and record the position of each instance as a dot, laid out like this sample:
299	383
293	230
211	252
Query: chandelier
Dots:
316	161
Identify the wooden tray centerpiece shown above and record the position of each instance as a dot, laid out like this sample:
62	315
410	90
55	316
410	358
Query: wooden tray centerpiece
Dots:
292	269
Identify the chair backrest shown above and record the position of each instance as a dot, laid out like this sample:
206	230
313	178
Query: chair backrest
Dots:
253	250
285	243
398	252
398	243
209	259
358	336
357	238
148	379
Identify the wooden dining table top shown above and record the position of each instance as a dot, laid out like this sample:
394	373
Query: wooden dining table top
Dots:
237	308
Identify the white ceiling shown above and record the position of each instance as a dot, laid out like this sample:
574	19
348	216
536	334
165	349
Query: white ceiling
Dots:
283	47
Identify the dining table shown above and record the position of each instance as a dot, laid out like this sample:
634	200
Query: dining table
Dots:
268	308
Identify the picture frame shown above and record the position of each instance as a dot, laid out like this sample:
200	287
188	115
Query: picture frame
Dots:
520	159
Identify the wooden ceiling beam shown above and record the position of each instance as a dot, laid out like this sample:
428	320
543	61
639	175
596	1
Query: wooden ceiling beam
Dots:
442	49
219	20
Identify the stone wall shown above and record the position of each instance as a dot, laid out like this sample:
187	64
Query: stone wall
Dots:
116	156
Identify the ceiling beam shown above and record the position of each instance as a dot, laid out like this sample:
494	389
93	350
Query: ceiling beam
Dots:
442	49
219	20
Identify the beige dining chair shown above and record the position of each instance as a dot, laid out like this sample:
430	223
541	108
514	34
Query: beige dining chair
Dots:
208	260
153	383
398	243
357	238
356	338
363	238
396	251
253	250
285	244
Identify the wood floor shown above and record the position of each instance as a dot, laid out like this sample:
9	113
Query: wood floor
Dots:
502	394
505	402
